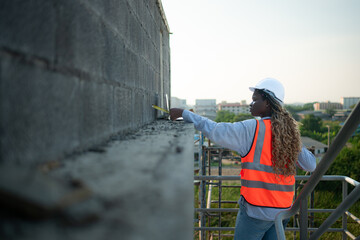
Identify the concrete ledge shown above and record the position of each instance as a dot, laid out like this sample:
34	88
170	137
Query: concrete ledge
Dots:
142	189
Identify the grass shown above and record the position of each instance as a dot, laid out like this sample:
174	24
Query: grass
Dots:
227	219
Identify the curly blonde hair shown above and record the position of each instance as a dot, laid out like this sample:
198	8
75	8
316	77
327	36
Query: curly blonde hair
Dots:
286	143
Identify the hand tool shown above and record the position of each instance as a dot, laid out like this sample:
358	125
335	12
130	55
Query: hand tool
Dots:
159	108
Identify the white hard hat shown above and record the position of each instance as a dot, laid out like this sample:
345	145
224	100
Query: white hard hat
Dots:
273	86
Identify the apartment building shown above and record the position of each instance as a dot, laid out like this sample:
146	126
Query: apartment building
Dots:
178	103
327	105
237	108
347	102
206	108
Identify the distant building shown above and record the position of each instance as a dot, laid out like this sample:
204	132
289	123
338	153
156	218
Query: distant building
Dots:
178	103
327	105
206	108
236	108
315	113
319	148
349	101
341	115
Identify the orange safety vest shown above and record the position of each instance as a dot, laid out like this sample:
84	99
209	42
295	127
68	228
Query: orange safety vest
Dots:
259	185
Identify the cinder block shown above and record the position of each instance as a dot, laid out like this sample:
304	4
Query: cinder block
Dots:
135	6
138	107
134	32
141	81
156	26
149	112
155	57
118	14
115	12
95	112
39	113
141	41
131	67
80	41
148	77
123	109
146	49
146	21
28	27
114	64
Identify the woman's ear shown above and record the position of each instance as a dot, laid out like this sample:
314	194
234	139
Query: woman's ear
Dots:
267	103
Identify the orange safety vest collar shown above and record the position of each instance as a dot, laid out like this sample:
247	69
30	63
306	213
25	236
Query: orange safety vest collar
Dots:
259	184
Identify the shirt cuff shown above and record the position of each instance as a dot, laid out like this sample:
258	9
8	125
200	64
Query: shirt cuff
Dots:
186	115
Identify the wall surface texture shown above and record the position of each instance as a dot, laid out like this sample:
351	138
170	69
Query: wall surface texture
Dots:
74	73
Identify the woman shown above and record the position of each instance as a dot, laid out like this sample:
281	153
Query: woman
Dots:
270	149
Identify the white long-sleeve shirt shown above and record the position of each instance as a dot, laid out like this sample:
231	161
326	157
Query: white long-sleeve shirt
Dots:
238	136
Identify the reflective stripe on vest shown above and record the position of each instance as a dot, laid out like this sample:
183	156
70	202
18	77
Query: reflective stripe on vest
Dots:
259	185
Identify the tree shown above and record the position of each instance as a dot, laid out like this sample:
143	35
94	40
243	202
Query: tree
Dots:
293	109
352	106
309	106
347	163
330	112
311	123
224	116
242	117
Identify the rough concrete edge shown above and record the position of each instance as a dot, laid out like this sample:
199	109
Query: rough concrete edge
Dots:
163	16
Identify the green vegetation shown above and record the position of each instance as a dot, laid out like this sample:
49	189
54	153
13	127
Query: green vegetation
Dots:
226	116
330	200
347	163
330	112
227	218
295	109
316	128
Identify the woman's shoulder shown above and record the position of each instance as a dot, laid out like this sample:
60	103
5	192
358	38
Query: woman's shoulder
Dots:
249	124
251	120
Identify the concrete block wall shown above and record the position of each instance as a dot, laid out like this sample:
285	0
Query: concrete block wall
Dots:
73	73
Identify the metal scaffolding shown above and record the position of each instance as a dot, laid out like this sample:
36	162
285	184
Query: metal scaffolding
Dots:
342	137
303	220
302	212
208	155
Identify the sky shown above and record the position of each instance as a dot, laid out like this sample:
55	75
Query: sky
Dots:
219	48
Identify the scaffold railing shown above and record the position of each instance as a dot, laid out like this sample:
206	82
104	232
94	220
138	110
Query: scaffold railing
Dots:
300	207
344	180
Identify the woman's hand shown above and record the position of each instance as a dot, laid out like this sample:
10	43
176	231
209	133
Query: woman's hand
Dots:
176	113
